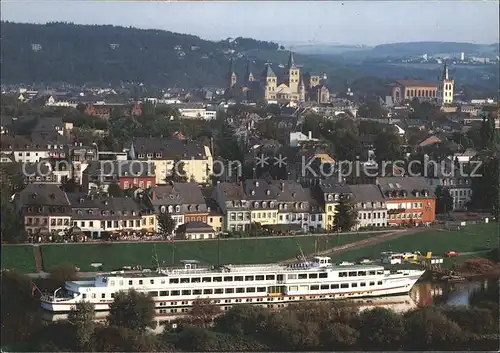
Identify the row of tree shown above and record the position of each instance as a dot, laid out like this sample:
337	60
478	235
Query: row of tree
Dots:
319	326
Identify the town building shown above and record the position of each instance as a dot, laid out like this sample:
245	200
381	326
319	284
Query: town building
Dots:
408	200
234	205
99	175
262	201
196	230
370	205
293	204
44	209
331	190
99	217
165	153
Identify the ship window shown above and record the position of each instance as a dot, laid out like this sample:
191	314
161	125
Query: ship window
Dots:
153	293
353	274
292	276
335	286
164	293
372	273
196	291
195	280
140	281
152	281
238	278
302	275
93	296
186	292
353	285
261	289
313	275
372	283
217	279
259	278
84	296
362	273
103	295
362	284
130	282
174	292
174	280
379	283
324	286
218	291
229	290
323	275
380	272
314	287
185	280
270	278
342	274
112	295
248	278
112	283
240	290
251	290
120	282
162	281
207	291
206	279
228	279
344	285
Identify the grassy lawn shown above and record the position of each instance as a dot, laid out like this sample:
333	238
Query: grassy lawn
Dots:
238	251
472	238
19	257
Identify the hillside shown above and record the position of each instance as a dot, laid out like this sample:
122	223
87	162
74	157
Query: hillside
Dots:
78	54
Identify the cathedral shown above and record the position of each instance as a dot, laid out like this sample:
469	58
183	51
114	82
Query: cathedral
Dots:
290	86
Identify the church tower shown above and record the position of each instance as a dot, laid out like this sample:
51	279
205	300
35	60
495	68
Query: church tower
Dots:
249	74
446	85
269	80
232	75
302	91
292	74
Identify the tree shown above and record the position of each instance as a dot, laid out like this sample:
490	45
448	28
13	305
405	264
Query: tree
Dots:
70	185
338	336
427	328
166	224
114	190
444	200
346	215
488	134
177	174
486	186
132	310
381	328
371	109
387	147
10	223
59	275
82	318
243	320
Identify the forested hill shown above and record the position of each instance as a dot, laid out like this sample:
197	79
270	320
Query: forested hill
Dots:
62	52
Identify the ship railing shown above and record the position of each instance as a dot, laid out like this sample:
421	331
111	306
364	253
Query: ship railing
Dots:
51	298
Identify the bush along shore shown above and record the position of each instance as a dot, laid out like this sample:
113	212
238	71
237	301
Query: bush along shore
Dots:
309	326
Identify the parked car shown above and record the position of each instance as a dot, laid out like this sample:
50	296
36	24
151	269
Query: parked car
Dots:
451	253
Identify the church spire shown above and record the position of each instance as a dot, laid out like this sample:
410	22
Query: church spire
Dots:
291	61
232	74
249	75
445	71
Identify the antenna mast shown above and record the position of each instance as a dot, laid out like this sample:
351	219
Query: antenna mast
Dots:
301	254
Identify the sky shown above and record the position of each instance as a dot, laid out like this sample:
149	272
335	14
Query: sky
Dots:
286	22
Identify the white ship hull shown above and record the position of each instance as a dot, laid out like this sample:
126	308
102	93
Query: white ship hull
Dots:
391	286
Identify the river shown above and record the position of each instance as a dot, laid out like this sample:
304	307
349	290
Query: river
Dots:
422	294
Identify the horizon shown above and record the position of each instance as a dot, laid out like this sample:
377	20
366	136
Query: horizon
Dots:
472	22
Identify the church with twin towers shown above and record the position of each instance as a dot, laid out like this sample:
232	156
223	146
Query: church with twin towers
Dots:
287	85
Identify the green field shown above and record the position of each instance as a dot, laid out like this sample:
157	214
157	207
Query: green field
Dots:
19	257
472	238
237	251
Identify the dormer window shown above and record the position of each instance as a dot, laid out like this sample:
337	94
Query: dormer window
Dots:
271	204
268	192
177	208
330	197
140	156
134	213
256	204
158	155
162	209
150	155
252	192
264	204
197	207
170	209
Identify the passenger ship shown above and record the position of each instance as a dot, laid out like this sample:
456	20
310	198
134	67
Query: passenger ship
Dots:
318	279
